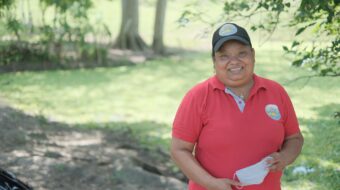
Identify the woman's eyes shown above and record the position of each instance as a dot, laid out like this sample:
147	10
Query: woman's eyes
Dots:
242	54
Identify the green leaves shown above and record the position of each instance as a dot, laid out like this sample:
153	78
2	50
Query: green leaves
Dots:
13	24
236	5
64	5
321	17
5	4
60	40
321	61
302	29
272	5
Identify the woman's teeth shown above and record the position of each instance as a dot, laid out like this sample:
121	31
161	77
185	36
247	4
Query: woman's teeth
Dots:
234	70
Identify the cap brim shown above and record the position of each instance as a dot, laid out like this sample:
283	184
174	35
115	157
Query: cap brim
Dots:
228	38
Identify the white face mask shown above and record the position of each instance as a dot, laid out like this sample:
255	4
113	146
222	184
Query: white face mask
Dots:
254	174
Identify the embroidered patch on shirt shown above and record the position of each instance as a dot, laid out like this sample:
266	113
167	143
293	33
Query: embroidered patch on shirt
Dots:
273	111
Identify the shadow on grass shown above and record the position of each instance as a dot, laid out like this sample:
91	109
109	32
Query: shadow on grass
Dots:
321	151
148	134
55	155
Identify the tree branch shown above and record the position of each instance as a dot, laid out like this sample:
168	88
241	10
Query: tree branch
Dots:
308	77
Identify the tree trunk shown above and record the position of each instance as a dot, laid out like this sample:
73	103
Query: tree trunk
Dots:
30	17
129	37
158	44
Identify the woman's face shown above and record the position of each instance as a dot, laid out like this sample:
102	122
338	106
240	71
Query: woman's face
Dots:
234	64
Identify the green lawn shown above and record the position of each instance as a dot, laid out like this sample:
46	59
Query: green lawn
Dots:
145	98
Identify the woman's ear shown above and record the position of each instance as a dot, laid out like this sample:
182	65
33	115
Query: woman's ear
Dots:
253	51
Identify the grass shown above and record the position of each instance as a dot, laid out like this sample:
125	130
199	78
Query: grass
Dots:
145	97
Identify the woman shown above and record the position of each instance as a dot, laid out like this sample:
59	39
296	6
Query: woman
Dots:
235	129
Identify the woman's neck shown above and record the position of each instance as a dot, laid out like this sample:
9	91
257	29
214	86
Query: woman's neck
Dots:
244	90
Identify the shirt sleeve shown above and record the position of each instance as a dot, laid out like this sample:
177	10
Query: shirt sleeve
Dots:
291	123
188	120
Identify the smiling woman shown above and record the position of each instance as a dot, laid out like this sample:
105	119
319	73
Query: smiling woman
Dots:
234	66
233	120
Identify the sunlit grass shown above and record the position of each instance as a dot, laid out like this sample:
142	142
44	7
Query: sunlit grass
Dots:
145	98
125	93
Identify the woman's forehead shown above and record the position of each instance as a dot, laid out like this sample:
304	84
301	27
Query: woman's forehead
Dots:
233	45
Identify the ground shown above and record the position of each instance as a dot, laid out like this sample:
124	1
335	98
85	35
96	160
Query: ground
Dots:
51	155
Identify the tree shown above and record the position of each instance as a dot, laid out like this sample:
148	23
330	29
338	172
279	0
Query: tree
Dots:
129	37
12	23
5	4
158	44
320	16
29	19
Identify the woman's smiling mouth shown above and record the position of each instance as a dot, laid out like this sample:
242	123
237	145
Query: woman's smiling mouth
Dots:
235	70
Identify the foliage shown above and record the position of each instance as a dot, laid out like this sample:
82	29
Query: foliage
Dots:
15	26
65	5
321	17
5	4
65	38
12	23
21	53
71	24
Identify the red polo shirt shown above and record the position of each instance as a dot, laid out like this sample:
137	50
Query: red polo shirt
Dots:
227	139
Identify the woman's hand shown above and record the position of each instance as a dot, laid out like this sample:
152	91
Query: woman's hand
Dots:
291	148
222	184
278	162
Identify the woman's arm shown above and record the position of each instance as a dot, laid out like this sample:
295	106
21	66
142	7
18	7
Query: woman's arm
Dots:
181	152
291	149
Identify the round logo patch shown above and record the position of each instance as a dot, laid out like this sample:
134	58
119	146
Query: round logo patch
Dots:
227	29
273	111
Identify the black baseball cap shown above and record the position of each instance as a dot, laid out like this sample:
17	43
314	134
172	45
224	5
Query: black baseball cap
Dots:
229	31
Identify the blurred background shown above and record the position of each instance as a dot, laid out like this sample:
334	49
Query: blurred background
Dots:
89	89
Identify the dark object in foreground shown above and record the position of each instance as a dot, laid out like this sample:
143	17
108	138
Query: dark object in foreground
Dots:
8	181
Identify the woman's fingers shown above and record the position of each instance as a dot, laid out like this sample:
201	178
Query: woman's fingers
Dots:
233	182
277	163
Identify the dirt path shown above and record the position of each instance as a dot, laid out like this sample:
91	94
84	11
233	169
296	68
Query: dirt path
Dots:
55	156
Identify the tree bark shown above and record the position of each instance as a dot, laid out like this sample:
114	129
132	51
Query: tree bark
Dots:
129	37
158	43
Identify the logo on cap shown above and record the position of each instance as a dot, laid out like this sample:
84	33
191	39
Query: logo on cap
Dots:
273	111
227	29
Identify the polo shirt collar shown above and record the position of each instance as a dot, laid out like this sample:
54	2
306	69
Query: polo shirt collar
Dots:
258	83
216	83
